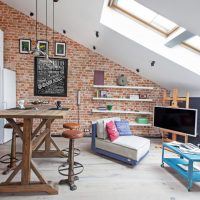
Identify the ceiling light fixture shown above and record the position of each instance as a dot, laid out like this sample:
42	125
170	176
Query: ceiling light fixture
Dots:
37	51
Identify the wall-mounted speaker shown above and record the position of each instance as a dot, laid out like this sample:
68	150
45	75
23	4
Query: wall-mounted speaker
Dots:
78	97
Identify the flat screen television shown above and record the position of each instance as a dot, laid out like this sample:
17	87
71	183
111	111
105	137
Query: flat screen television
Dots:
176	119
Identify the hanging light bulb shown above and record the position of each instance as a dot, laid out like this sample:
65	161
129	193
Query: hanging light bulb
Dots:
37	51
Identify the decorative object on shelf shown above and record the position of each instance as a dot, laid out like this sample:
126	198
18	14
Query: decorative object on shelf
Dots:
122	80
143	96
60	49
58	105
109	107
98	77
103	94
101	108
142	120
43	46
24	46
38	101
134	96
21	103
50	80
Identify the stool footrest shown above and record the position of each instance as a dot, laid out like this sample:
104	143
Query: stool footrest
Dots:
5	160
65	167
66	152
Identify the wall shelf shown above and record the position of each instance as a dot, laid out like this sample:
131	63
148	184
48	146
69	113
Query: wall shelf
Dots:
137	124
122	112
123	87
120	99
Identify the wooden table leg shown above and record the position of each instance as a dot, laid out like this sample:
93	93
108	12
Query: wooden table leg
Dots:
26	165
27	147
48	137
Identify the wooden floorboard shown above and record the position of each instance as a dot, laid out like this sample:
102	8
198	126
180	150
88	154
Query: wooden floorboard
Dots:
107	179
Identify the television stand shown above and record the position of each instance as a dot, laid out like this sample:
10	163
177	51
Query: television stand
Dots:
184	165
174	100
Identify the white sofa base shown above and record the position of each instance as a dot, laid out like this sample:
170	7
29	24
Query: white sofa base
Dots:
129	149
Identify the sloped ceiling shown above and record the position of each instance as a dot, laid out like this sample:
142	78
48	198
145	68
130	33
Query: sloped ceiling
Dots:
82	18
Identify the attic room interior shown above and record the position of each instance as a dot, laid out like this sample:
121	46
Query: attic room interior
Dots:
99	99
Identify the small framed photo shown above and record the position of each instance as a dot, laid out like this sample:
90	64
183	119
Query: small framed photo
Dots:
103	94
43	46
143	96
134	96
24	45
60	49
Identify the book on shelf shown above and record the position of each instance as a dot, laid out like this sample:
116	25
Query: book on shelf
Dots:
101	108
185	167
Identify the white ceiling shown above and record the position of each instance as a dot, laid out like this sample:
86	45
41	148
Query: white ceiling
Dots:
82	18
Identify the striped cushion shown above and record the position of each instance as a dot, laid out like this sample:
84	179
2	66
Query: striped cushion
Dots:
123	128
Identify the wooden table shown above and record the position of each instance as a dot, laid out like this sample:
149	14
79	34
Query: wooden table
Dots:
30	148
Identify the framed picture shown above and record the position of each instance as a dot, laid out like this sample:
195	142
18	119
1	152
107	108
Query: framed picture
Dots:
143	96
134	96
60	49
50	80
24	45
43	46
103	94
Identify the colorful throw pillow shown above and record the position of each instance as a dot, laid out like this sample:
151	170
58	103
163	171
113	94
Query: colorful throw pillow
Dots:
106	120
123	128
112	131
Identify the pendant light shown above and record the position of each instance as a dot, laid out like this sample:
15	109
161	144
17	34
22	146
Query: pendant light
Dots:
37	51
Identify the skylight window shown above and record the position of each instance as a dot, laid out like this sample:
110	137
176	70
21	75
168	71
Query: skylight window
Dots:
145	15
193	43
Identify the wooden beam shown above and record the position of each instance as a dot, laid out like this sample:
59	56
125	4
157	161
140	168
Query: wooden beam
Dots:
33	187
38	140
43	122
37	173
9	179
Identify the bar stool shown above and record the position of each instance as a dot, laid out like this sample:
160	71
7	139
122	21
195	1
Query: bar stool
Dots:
71	126
12	155
73	168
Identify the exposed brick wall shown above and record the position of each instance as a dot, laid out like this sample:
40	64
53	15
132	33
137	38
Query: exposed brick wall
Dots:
81	66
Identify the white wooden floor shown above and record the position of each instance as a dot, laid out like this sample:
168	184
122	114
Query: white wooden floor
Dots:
107	179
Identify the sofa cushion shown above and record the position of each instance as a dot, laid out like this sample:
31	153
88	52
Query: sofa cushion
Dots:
123	128
133	147
112	131
101	127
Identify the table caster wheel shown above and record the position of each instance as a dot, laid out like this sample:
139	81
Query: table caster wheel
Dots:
162	165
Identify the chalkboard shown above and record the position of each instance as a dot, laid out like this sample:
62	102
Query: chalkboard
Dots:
50	79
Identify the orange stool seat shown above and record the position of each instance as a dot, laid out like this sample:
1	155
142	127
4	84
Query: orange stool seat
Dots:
8	125
71	125
72	134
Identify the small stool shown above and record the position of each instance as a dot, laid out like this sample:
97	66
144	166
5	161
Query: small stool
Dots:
71	165
71	126
12	156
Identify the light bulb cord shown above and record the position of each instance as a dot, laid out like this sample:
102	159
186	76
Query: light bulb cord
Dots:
36	20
